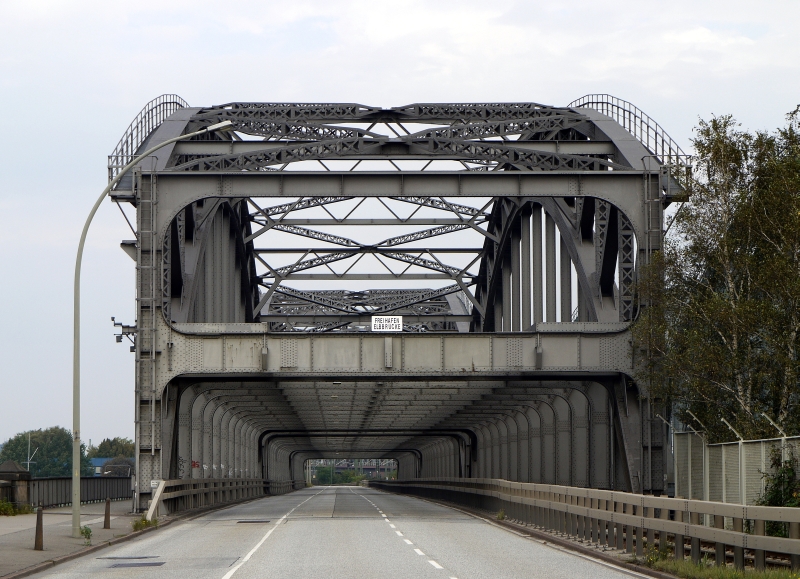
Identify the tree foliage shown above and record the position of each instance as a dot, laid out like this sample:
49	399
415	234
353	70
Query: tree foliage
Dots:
53	452
113	448
323	476
721	322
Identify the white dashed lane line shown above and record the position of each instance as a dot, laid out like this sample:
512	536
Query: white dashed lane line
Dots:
399	534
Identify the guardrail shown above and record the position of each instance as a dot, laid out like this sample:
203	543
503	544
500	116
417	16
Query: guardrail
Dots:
184	494
57	491
627	521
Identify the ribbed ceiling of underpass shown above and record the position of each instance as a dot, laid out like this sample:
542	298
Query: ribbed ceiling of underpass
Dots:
369	419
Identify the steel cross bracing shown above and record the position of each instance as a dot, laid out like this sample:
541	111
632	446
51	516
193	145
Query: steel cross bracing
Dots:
507	235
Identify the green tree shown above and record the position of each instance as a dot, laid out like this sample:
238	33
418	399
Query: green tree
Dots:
721	321
53	448
113	448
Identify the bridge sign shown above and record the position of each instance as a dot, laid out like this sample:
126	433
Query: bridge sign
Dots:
387	323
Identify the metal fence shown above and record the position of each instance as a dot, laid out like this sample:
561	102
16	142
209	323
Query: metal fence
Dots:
625	520
730	472
57	491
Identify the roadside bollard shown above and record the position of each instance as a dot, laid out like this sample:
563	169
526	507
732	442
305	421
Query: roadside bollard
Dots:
38	543
107	521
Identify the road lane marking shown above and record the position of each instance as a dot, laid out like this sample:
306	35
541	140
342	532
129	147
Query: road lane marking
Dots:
230	573
435	564
392	526
399	534
419	552
383	515
408	542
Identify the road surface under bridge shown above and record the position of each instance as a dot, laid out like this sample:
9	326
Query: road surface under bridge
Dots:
507	236
336	532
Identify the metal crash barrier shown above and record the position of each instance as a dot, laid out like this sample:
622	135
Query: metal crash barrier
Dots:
628	521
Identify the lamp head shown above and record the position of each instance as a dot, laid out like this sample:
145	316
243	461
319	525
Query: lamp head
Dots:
219	127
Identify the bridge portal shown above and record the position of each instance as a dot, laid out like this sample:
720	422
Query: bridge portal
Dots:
508	236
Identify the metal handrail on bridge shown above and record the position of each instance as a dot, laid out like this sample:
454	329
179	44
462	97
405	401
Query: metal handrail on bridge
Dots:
637	123
149	118
622	520
184	494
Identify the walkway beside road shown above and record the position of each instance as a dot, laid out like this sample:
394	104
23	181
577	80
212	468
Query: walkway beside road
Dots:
17	533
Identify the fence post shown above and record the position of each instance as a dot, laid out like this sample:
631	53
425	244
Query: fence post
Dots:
760	555
651	534
694	519
794	533
738	552
719	548
679	545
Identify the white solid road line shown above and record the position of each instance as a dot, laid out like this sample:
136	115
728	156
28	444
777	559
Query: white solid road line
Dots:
435	564
230	573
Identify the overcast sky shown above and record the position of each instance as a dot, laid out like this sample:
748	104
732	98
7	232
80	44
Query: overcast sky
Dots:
74	74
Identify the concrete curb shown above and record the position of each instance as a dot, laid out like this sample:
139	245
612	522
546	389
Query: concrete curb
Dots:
188	515
547	539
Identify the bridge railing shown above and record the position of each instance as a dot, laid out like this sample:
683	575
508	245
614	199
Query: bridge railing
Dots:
635	121
628	521
57	491
184	494
149	118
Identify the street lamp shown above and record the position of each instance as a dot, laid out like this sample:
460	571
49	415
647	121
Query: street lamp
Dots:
76	324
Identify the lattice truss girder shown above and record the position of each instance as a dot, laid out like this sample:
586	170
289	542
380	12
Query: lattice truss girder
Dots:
288	250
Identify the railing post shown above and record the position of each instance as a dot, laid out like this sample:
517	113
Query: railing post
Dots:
620	545
663	535
760	554
794	533
738	552
639	537
651	533
602	524
680	552
719	548
628	509
694	519
582	521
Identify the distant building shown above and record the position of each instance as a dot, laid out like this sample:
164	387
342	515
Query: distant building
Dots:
97	465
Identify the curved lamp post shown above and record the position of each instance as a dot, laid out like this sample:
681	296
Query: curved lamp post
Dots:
76	339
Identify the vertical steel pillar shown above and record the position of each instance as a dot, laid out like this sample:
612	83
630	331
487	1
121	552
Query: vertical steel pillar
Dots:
536	225
516	303
506	284
525	258
550	249
566	283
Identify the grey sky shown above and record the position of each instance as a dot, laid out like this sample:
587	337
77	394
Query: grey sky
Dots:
74	74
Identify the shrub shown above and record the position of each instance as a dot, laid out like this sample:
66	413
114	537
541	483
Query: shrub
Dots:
142	523
501	515
86	531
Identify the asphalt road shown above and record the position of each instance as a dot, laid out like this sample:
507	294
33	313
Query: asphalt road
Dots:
337	533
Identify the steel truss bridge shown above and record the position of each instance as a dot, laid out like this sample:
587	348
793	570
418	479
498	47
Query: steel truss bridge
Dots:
507	235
